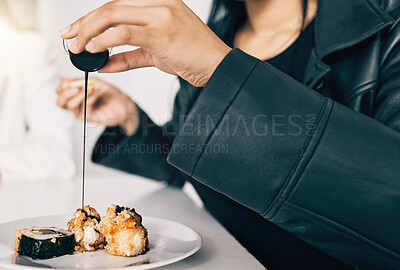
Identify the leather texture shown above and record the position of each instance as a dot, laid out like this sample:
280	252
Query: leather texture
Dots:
322	158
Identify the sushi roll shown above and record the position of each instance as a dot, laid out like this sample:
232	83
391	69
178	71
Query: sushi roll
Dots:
44	242
85	224
124	233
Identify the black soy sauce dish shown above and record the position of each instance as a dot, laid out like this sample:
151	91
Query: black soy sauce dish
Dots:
89	62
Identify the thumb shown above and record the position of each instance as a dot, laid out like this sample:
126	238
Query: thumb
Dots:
138	58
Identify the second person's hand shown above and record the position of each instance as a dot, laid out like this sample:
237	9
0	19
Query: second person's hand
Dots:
107	105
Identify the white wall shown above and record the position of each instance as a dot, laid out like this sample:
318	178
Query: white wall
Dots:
153	90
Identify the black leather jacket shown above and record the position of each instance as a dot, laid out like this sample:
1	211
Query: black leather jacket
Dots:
320	159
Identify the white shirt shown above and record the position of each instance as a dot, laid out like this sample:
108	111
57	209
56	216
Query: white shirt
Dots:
35	135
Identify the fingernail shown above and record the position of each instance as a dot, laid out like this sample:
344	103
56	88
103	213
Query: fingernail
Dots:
90	46
73	46
65	30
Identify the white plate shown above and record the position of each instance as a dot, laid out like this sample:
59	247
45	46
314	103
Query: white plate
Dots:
169	242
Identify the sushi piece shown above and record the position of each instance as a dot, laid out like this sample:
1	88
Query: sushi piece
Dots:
124	233
85	224
44	242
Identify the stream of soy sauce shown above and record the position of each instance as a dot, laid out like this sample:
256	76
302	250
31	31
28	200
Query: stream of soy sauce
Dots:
84	139
87	62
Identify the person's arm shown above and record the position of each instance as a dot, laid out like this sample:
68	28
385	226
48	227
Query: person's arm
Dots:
144	153
314	167
46	153
131	141
331	178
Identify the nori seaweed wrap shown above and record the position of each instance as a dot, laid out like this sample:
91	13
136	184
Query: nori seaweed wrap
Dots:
44	242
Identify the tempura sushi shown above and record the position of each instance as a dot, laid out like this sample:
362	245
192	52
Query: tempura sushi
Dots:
44	242
85	224
123	231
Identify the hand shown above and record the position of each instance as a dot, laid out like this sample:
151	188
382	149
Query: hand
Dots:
170	36
106	105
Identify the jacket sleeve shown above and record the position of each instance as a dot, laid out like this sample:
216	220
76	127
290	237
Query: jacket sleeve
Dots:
143	153
323	172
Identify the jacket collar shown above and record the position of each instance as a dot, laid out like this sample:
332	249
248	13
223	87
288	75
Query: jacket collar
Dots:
344	23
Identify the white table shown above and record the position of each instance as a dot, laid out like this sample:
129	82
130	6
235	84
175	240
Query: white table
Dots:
219	251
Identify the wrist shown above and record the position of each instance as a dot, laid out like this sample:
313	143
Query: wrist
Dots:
214	62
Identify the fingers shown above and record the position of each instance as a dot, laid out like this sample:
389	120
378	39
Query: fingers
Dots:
135	12
112	17
120	35
72	98
76	102
64	83
93	99
72	30
65	79
128	60
70	94
94	108
65	95
139	3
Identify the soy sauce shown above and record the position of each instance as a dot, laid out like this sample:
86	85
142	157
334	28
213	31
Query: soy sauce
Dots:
84	139
87	62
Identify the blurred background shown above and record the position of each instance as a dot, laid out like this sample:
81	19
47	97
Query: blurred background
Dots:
153	90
